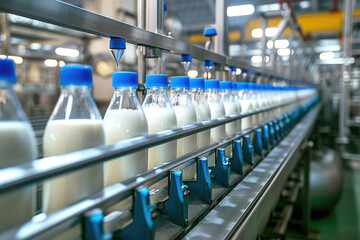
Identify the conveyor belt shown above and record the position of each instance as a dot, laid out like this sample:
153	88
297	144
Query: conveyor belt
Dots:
244	212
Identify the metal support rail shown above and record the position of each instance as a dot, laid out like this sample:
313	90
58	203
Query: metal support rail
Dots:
65	218
70	16
45	168
246	209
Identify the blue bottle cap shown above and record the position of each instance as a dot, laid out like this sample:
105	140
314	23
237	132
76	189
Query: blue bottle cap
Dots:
7	70
241	85
226	85
209	32
251	86
211	84
165	6
234	86
186	58
80	75
244	71
180	82
197	83
125	79
233	69
208	63
157	80
117	43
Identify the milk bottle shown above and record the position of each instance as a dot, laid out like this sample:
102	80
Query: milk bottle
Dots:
216	111
201	108
245	103
254	102
160	116
235	93
231	107
17	146
74	124
124	119
185	115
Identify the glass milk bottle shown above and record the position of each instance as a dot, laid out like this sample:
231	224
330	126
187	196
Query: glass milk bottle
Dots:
216	111
160	116
231	108
235	93
201	108
75	124
185	115
124	119
245	103
17	146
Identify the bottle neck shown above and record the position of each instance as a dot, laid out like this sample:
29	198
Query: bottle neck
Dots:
74	90
156	90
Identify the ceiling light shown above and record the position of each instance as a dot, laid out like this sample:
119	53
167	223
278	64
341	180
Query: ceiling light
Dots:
240	10
67	52
35	46
238	71
258	59
51	62
268	7
192	73
283	52
257	33
271	31
17	59
283	43
304	4
270	44
61	63
327	56
339	61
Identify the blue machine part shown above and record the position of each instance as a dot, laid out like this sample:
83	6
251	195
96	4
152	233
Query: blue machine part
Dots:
277	131
186	58
202	187
265	137
142	226
176	207
258	142
221	171
271	134
93	224
248	150
237	162
210	32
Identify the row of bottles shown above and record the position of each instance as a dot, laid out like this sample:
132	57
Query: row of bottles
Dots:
76	124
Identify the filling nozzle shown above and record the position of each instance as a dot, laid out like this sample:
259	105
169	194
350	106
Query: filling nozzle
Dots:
208	64
209	32
186	60
117	47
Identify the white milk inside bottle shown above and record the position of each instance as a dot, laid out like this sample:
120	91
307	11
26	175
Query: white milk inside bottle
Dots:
160	117
201	108
245	103
75	124
185	115
17	146
216	111
231	108
125	119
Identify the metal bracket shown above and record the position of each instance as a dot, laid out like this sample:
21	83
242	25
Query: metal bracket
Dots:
142	225
93	224
271	134
237	161
257	142
176	207
277	131
202	187
221	171
248	150
265	137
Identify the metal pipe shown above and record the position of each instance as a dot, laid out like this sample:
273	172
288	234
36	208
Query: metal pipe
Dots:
221	25
345	78
264	23
141	62
45	168
5	33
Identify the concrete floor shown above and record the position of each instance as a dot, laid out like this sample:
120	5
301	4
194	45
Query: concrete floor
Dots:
344	221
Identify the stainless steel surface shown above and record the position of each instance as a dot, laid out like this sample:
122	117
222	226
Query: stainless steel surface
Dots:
264	23
141	63
243	213
345	78
50	167
154	16
5	33
69	16
221	25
